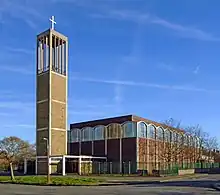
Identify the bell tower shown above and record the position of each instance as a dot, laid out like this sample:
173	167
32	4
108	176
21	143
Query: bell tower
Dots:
51	97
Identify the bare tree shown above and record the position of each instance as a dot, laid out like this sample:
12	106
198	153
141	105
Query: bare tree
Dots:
208	144
14	149
171	122
171	151
174	145
204	141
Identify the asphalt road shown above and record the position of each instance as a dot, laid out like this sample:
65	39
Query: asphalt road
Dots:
180	187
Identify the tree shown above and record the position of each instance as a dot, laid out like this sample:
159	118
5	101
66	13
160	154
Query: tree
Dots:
174	143
172	123
14	149
206	142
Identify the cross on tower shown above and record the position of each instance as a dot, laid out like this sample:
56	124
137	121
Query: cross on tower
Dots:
52	19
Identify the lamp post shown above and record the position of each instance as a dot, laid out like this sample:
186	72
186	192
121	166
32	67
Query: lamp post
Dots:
48	159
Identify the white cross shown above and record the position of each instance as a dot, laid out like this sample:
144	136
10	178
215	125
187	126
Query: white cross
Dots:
52	19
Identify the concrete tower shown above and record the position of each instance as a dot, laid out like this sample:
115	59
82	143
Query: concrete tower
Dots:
51	100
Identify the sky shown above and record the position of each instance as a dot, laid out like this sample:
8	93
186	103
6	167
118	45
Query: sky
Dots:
156	59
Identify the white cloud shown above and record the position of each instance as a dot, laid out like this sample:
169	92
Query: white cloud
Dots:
166	66
17	69
20	50
21	10
146	18
85	112
148	85
26	126
5	114
196	70
118	83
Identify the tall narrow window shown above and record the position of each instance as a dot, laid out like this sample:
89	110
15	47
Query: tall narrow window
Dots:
160	133
167	135
86	134
114	131
99	132
142	130
129	129
151	132
75	135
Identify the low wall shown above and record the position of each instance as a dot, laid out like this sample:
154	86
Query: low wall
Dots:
214	171
186	172
208	170
199	170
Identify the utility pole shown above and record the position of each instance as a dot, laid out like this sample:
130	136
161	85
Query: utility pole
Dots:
48	160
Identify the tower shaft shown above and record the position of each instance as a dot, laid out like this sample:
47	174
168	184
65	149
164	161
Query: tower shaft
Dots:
52	89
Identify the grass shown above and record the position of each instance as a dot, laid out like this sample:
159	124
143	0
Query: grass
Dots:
55	180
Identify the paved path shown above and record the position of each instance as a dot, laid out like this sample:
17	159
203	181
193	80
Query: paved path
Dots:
180	187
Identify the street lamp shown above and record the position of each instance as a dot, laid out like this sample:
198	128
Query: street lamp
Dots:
48	159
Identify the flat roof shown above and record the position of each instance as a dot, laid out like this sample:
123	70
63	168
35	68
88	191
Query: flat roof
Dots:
120	120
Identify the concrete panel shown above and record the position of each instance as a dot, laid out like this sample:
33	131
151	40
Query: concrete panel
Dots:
58	142
58	115
42	144
58	86
43	115
43	86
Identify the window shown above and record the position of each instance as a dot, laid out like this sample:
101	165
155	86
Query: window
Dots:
175	137
151	132
69	136
142	130
75	135
191	141
160	133
198	142
99	133
186	140
114	131
129	129
87	134
172	136
180	138
167	135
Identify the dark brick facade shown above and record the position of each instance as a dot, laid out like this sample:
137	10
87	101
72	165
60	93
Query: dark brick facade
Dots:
129	149
99	148
86	148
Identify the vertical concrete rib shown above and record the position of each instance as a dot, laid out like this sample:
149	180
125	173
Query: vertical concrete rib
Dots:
66	66
46	54
54	48
41	56
58	54
63	57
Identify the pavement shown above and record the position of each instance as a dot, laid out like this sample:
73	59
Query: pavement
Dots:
196	186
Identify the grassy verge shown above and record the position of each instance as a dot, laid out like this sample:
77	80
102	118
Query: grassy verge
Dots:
55	180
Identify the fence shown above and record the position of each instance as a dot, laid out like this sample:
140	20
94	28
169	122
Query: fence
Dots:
139	168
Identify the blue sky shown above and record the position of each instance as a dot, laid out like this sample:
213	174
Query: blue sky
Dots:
155	58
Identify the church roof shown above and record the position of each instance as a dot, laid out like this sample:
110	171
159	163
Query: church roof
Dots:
120	120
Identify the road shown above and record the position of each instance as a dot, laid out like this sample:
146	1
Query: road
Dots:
180	187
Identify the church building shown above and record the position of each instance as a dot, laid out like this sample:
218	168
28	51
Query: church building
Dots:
113	145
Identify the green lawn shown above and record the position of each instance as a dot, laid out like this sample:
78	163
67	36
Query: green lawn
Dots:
55	180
